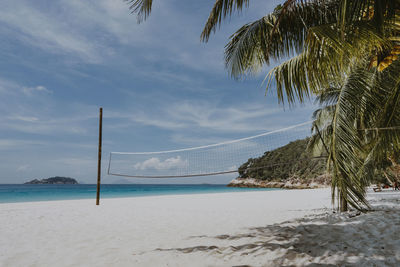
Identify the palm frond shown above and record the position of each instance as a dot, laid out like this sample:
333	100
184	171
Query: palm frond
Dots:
376	11
361	40
326	58
142	8
258	42
382	120
301	76
292	80
328	96
321	130
346	151
221	10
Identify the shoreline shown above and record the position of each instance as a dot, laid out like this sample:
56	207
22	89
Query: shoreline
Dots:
19	194
145	196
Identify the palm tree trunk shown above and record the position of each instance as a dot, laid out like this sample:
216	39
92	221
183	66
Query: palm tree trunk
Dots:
343	202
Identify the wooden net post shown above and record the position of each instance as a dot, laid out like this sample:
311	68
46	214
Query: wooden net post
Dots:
99	158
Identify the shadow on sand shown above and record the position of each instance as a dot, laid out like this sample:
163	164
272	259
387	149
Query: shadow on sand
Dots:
327	239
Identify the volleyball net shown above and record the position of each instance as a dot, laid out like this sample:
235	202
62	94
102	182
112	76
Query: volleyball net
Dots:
221	158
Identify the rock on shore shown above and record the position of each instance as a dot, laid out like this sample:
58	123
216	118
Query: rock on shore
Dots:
291	183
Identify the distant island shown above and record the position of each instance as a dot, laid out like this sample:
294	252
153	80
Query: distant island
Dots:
291	166
54	180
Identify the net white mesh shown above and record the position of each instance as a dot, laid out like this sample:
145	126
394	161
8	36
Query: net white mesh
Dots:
213	159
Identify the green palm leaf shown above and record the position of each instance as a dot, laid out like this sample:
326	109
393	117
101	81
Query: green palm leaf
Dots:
142	8
221	10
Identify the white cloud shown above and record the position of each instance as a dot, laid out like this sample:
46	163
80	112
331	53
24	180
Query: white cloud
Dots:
195	123
195	140
22	168
48	31
46	126
9	89
161	123
11	144
31	90
195	115
221	118
157	164
21	144
81	161
23	118
39	114
31	110
90	31
233	168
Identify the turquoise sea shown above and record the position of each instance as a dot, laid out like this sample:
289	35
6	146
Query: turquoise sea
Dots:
10	193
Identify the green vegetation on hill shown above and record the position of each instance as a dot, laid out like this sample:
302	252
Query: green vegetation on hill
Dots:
54	180
293	160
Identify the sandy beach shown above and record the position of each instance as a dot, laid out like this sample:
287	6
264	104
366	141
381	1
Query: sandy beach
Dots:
270	228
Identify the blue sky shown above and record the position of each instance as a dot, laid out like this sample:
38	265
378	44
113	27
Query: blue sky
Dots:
160	87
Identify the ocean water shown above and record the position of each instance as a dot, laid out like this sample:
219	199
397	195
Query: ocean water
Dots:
10	193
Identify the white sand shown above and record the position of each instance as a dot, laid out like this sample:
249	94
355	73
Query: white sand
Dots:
274	228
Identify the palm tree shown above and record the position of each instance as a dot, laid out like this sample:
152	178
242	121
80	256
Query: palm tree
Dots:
353	43
333	42
353	125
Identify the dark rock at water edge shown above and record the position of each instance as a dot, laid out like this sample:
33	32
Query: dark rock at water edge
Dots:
290	183
54	180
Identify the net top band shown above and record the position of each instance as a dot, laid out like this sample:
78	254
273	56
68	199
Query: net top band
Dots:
212	145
